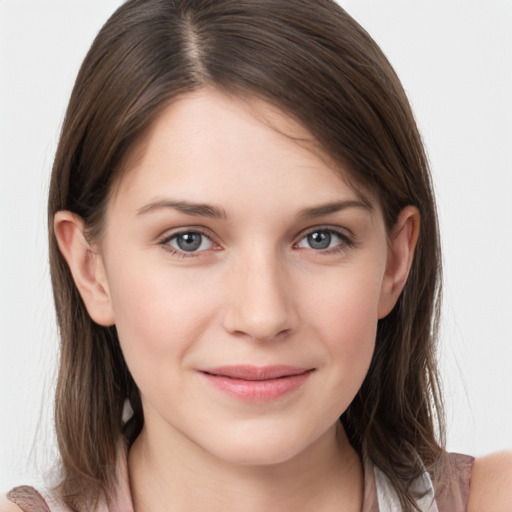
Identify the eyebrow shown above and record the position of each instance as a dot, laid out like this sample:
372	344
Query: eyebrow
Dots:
215	212
336	206
186	207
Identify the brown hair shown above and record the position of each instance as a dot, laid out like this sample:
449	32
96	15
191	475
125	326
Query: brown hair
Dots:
314	62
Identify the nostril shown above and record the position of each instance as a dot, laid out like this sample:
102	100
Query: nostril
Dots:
260	325
260	301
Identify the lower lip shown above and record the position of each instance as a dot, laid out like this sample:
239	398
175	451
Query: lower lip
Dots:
258	390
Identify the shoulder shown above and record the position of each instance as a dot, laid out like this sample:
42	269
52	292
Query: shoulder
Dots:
491	484
23	499
8	506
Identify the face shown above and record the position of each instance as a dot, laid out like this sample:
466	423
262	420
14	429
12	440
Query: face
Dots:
245	279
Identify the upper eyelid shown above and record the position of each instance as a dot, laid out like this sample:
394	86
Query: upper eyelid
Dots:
348	238
170	234
164	242
343	232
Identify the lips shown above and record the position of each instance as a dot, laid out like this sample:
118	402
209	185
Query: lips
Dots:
247	372
254	383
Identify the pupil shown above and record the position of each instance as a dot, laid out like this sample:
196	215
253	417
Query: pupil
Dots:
319	240
189	241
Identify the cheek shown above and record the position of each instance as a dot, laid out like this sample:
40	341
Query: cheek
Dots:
347	304
344	318
159	315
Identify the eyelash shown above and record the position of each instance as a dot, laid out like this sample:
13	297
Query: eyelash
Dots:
346	241
184	254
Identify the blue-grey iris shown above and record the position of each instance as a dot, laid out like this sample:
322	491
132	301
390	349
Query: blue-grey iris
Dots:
319	240
189	241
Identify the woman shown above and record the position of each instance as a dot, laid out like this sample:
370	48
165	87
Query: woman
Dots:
244	248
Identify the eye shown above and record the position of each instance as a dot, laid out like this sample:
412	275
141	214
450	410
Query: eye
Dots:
322	239
189	242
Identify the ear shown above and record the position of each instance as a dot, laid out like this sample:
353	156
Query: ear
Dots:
86	266
402	242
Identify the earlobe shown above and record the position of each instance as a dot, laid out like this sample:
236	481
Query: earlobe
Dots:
86	266
402	243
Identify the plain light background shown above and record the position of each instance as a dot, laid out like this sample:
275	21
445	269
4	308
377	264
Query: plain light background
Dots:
454	59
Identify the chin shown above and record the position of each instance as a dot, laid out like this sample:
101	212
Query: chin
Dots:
264	447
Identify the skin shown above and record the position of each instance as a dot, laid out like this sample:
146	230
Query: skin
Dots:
490	490
254	292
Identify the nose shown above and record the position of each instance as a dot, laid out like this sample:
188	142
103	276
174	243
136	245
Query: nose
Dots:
260	306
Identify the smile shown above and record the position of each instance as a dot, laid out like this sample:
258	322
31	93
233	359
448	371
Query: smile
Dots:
257	384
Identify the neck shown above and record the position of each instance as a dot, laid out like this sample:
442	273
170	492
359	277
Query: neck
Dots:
327	476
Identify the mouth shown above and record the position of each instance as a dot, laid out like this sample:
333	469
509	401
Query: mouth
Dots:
256	373
255	383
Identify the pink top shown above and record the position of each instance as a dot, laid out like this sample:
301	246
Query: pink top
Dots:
449	494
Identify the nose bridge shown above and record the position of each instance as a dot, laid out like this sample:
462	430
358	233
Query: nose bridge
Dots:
260	305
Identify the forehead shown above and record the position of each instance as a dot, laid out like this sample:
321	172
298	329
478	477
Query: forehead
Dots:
211	144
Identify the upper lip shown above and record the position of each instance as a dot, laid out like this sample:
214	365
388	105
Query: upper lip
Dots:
249	372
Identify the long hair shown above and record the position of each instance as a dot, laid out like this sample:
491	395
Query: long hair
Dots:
315	63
